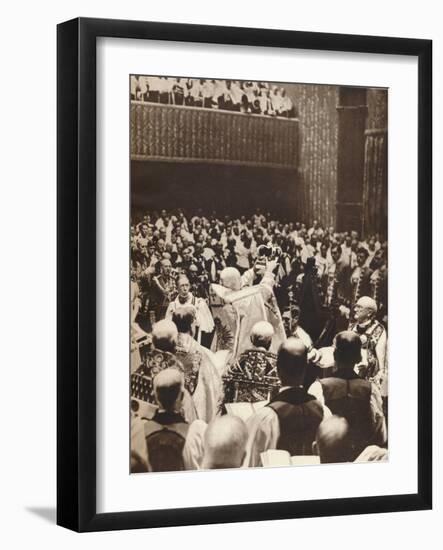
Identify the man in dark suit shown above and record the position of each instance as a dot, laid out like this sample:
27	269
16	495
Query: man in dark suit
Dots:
347	395
290	421
361	277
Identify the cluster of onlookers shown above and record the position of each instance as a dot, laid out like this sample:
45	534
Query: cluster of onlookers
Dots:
254	335
259	98
346	267
338	418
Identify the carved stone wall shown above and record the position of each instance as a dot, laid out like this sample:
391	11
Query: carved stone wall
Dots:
318	123
375	191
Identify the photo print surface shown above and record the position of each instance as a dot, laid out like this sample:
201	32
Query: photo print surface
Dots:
258	274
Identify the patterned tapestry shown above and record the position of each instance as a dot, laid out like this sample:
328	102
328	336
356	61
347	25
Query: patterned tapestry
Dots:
185	133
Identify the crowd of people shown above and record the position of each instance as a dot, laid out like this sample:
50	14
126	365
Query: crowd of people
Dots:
253	335
257	98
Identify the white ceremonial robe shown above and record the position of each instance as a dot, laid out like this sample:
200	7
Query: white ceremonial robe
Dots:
380	351
208	392
203	317
264	432
241	309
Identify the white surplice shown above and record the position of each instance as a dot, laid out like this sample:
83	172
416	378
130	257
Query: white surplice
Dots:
208	392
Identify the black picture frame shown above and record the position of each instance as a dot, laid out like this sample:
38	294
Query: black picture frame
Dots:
76	280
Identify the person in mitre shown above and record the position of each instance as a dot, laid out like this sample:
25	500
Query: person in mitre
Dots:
203	323
238	305
202	378
293	328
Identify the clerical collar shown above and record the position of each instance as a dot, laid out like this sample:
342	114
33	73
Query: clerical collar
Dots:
184	300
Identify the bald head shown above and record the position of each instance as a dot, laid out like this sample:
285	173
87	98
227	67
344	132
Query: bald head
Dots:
169	388
291	362
365	309
368	303
164	335
230	278
347	349
332	441
225	443
261	334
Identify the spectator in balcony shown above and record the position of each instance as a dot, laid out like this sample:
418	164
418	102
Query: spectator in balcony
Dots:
134	87
139	88
165	90
288	109
228	100
282	104
144	88
178	92
222	95
195	97
208	93
276	100
250	98
263	100
219	90
237	94
270	111
229	95
187	89
153	85
256	105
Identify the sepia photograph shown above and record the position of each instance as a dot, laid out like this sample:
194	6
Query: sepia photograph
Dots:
258	274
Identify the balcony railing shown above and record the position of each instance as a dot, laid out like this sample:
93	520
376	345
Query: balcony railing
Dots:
186	134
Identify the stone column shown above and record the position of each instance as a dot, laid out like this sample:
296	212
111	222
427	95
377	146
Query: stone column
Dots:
352	112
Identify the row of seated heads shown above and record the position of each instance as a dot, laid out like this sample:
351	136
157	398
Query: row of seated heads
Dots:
226	436
292	357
